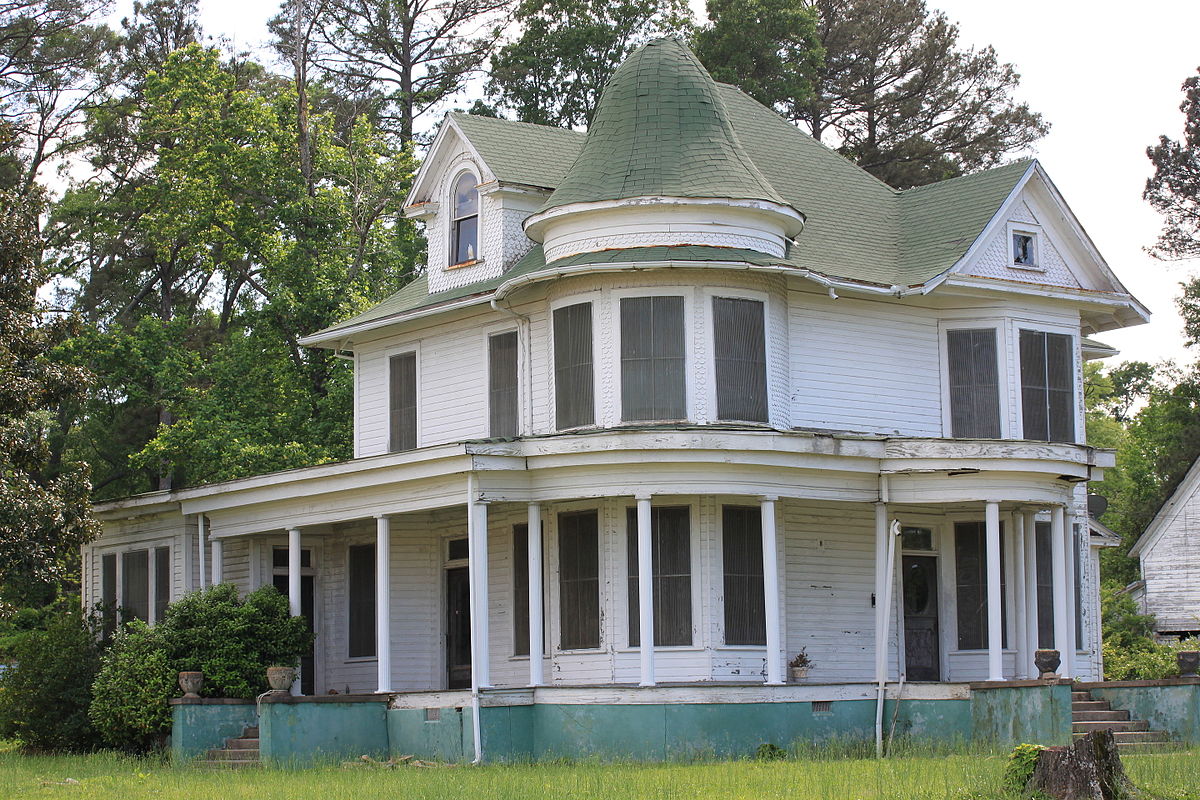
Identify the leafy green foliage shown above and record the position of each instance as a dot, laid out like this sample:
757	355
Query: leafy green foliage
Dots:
1021	763
1174	189
129	697
46	692
767	48
232	641
1129	648
568	49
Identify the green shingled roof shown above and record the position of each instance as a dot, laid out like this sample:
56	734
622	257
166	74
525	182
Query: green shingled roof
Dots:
519	152
661	130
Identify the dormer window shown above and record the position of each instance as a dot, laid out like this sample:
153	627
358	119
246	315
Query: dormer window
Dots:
464	220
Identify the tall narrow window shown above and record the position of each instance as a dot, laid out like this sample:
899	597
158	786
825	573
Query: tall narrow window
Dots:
970	563
671	549
502	384
974	385
521	590
573	382
1048	386
465	221
162	581
1045	585
578	580
403	402
742	558
652	358
740	347
135	583
108	592
360	590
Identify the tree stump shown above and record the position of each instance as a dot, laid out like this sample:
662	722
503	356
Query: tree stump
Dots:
1088	769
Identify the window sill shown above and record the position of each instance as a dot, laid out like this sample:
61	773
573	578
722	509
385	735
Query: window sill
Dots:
1027	268
586	651
758	648
465	264
665	648
361	660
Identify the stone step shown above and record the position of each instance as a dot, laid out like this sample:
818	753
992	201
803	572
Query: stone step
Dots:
233	755
227	764
250	732
1091	705
241	743
1081	696
1099	716
1110	725
1135	737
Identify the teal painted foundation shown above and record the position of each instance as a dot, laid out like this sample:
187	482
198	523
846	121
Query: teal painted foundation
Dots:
1006	716
197	727
302	732
439	734
1174	708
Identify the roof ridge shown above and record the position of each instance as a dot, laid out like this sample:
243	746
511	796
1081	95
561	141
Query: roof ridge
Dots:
1026	161
508	121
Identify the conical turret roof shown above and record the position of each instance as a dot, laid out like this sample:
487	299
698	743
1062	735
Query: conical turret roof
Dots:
661	130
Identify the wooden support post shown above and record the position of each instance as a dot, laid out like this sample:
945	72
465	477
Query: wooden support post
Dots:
536	621
995	616
383	604
645	552
218	560
1017	539
1058	558
477	541
1068	652
200	550
770	554
294	586
881	601
1031	592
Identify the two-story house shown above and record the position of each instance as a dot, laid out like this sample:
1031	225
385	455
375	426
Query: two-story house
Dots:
672	401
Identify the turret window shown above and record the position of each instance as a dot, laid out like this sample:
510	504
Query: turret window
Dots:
465	220
740	345
652	358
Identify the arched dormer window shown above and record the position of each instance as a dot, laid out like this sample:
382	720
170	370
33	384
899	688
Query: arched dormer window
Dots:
464	220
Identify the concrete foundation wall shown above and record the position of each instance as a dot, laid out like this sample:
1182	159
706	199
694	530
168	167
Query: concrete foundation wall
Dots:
1171	706
306	731
204	724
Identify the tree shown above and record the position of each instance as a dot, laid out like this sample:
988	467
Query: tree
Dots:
899	95
1174	189
568	49
768	48
44	506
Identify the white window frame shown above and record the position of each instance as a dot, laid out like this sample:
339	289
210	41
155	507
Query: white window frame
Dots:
601	370
399	350
621	596
949	568
487	332
1016	325
151	572
718	571
689	348
464	168
551	571
1027	229
707	319
355	541
1003	374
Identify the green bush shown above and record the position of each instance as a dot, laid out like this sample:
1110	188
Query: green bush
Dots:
45	694
1019	769
129	698
233	641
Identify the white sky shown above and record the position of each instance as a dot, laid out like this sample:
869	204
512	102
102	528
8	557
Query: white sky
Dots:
1106	75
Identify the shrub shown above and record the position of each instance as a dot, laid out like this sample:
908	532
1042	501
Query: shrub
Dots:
1019	769
233	641
129	698
44	696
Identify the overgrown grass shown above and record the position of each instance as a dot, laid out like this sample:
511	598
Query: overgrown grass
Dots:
1173	776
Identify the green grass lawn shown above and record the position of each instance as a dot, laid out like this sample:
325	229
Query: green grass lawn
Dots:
1173	776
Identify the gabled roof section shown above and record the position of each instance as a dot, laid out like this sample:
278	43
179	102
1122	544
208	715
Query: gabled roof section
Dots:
1169	511
661	130
519	152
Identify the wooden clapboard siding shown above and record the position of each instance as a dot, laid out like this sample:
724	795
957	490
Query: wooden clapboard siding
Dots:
1171	569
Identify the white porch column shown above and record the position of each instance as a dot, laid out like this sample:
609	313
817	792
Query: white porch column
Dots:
881	601
200	536
645	552
994	616
1068	652
1017	541
218	561
477	541
536	623
1058	560
1031	592
294	585
383	604
770	554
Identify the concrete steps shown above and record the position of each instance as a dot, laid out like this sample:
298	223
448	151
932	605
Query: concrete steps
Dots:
238	753
1132	735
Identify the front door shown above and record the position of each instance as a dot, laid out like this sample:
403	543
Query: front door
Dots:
307	661
458	628
922	656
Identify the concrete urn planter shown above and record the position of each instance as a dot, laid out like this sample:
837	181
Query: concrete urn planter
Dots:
1188	661
281	678
191	683
1047	662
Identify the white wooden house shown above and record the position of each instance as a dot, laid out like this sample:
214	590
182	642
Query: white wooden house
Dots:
691	373
1169	554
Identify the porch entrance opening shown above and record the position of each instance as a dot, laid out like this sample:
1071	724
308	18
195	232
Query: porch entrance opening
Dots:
458	628
922	656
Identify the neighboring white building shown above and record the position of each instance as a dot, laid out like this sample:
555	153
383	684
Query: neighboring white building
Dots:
1169	553
689	372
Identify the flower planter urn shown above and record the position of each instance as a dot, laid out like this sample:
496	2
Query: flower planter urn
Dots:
798	673
1188	661
1047	662
281	678
191	682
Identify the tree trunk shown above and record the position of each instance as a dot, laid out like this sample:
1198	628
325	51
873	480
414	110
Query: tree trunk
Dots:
1089	769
